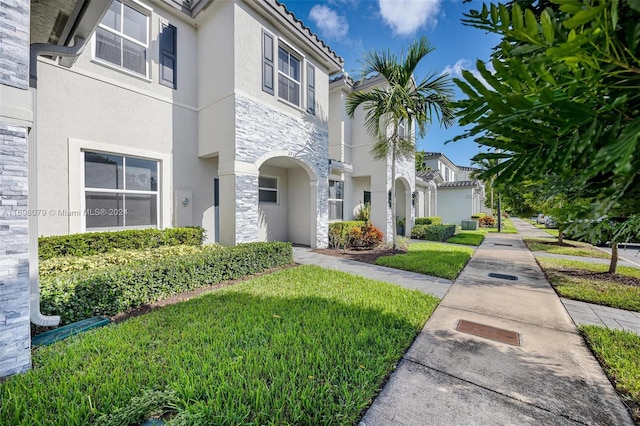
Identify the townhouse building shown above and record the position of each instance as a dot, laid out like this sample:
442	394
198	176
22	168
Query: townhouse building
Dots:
155	113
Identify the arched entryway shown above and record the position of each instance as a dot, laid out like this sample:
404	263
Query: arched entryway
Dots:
403	206
287	201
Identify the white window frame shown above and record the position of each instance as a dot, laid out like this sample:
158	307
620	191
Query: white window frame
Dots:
77	147
340	219
276	190
124	191
292	53
143	9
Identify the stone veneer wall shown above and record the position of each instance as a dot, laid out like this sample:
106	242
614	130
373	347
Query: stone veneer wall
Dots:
15	342
404	168
260	130
15	339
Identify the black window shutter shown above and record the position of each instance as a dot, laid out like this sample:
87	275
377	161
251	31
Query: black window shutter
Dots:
311	89
168	56
267	62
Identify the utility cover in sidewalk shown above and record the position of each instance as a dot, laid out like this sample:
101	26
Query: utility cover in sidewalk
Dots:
503	276
488	332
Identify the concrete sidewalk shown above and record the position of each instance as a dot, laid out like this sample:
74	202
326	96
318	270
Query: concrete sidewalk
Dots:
453	377
432	285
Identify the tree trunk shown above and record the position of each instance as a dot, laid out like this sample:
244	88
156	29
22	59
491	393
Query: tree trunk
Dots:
559	234
393	196
614	258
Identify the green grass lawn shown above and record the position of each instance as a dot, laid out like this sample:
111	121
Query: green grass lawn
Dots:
572	248
468	238
590	288
507	227
300	346
619	353
430	258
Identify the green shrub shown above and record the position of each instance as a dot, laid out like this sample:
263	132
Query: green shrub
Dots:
433	232
478	216
365	236
103	242
109	291
339	232
487	222
72	264
364	213
429	220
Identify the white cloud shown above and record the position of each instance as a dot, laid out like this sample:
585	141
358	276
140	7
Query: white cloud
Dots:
405	17
455	70
330	25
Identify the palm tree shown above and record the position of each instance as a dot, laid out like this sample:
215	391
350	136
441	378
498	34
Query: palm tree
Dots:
401	101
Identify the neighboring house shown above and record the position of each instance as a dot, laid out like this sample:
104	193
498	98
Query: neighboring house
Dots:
355	177
427	187
458	194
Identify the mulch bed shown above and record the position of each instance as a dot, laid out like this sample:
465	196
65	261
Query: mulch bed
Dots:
366	256
602	276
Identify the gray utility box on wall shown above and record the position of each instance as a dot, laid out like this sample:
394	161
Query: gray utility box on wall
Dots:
469	225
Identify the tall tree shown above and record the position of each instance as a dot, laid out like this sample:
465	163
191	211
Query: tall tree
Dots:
402	101
563	104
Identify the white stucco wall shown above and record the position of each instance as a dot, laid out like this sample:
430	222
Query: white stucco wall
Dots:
455	204
273	219
299	229
96	105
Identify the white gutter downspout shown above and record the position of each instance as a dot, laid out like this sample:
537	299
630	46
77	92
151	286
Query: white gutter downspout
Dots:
38	49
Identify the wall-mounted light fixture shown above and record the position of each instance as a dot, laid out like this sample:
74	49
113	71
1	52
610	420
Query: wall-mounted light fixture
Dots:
186	201
414	198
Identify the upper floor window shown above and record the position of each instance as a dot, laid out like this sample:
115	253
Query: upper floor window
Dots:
122	38
402	129
288	77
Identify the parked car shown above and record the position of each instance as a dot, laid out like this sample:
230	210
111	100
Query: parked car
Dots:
540	218
549	222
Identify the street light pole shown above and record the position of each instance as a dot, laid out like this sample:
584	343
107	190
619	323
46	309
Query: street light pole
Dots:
499	213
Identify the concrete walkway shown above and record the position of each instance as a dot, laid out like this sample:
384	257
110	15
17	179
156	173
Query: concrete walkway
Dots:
583	313
432	285
453	377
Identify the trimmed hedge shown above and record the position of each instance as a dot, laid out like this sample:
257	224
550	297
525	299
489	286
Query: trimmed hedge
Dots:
103	242
429	220
114	290
433	232
73	264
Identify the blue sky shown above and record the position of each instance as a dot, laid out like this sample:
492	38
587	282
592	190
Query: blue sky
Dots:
352	27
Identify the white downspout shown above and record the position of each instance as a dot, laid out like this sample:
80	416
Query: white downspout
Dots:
38	49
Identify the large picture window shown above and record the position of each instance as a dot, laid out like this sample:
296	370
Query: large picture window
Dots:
122	38
336	200
288	77
119	191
